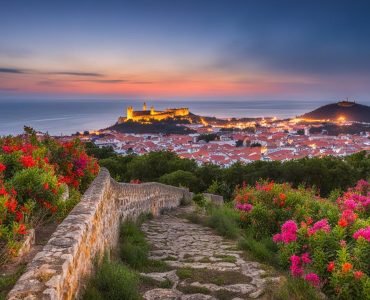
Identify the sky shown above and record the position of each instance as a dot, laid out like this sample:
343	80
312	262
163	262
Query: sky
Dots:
170	49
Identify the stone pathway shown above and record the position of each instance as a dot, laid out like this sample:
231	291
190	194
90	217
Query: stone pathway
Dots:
206	266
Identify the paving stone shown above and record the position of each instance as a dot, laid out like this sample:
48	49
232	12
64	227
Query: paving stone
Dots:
196	247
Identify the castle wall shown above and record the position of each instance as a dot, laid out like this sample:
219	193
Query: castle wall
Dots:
92	227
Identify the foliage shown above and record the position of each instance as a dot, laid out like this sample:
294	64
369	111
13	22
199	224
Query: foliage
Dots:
324	243
296	289
7	281
179	178
324	174
34	172
134	249
200	200
225	220
112	281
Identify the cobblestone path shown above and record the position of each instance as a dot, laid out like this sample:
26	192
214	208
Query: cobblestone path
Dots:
206	266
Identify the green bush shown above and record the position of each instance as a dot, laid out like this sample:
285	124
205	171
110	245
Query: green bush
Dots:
179	178
134	248
263	250
199	200
225	220
113	281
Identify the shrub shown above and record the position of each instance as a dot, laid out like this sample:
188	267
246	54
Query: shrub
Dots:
325	243
134	248
33	172
224	220
179	178
200	200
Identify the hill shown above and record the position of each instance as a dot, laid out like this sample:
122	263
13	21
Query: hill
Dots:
167	126
351	111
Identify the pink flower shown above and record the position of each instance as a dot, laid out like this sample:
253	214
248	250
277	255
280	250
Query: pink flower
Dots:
289	226
296	266
244	207
363	232
277	238
362	186
313	278
350	204
288	233
320	225
305	257
349	215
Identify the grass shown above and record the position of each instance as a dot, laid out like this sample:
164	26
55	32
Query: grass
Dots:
226	258
113	281
134	249
263	250
295	289
8	281
212	276
224	220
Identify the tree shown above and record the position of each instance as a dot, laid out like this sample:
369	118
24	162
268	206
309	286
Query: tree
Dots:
179	178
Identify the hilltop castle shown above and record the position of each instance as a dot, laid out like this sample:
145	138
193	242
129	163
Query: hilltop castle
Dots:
152	114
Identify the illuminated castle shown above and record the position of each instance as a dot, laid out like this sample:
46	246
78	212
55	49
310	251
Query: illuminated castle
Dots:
152	114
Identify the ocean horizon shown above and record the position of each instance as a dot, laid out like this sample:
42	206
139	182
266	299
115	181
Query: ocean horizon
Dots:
62	117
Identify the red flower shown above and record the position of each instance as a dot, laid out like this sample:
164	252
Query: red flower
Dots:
79	172
27	161
11	205
3	192
18	216
331	266
282	196
7	149
342	222
2	167
22	229
46	186
358	274
47	204
27	148
75	183
346	267
13	192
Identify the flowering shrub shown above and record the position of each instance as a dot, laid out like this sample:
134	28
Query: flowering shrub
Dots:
323	242
32	180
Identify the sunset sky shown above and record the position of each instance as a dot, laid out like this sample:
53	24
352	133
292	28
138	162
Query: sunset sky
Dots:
186	49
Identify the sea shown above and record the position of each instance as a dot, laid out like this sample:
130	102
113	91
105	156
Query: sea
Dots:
63	117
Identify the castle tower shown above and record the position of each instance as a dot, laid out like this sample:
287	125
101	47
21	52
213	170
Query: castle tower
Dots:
152	110
144	106
130	113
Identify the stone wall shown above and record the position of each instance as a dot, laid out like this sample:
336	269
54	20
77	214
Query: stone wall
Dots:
215	199
58	271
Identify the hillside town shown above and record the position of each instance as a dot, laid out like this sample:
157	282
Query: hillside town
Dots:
233	141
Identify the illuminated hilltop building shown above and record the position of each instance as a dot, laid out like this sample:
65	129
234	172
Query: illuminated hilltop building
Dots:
152	114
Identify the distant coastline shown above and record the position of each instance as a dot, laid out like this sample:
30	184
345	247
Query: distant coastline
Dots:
59	117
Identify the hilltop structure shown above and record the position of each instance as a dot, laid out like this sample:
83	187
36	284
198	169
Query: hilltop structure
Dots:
341	111
146	115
